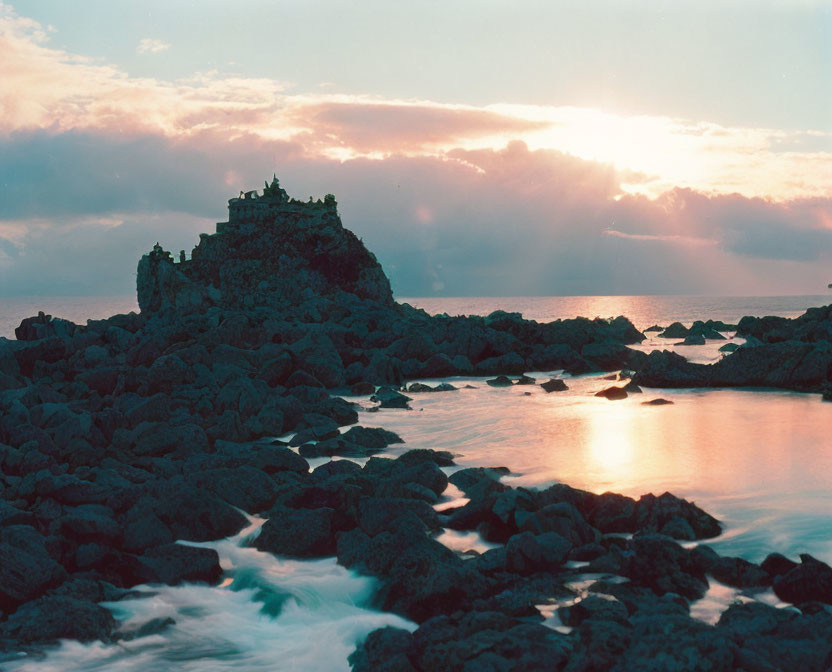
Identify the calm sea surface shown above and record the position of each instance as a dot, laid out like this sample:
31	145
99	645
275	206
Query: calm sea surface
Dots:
759	460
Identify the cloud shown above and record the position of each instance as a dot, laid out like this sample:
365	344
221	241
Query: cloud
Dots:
80	207
50	89
151	45
95	166
404	127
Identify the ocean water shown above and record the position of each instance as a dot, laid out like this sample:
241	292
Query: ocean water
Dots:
644	311
77	309
759	460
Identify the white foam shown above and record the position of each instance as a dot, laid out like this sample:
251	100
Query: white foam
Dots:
273	614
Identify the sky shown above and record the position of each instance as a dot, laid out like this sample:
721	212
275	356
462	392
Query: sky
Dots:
479	148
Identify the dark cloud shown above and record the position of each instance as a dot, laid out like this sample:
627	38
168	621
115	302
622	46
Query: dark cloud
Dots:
507	222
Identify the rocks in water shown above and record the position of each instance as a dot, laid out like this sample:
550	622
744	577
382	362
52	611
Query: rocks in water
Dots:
809	581
362	388
390	398
300	533
729	347
657	402
595	606
51	618
172	564
612	393
500	381
554	385
525	380
675	330
422	387
355	442
693	339
27	567
655	327
125	435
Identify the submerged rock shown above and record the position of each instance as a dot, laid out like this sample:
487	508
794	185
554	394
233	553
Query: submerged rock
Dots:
613	393
554	385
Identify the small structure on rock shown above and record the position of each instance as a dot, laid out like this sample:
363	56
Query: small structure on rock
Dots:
250	206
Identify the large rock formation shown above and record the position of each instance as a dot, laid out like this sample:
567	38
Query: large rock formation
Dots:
122	436
273	252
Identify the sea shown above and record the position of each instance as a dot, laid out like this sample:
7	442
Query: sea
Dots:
759	460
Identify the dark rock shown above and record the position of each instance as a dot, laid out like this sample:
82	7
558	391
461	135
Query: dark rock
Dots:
417	455
300	533
659	563
384	650
594	606
172	564
389	398
362	388
244	487
811	580
51	618
675	330
527	553
500	381
739	573
554	385
26	567
656	402
776	564
612	393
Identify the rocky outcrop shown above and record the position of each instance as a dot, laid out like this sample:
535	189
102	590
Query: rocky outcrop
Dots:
124	435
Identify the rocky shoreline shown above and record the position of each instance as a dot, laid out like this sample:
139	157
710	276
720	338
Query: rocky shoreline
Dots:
123	436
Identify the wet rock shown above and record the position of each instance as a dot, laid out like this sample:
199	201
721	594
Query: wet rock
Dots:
739	573
527	553
362	388
659	563
51	618
776	564
809	581
172	564
389	398
384	650
657	402
465	479
27	568
500	381
300	533
554	385
244	487
675	330
594	606
612	393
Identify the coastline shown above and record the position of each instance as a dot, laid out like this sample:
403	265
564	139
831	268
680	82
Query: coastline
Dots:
129	435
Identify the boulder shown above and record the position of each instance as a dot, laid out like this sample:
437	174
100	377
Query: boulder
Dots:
172	564
554	385
51	618
612	393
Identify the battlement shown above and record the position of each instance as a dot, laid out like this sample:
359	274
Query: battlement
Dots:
251	206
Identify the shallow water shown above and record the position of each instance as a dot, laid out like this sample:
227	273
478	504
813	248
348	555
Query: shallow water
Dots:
761	461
